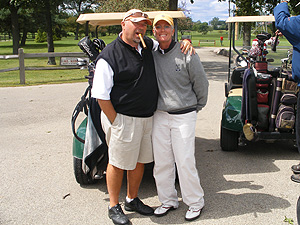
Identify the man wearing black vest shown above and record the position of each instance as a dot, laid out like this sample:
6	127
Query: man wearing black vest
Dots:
126	88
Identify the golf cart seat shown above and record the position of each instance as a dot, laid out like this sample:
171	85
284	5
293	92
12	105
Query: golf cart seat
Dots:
236	80
237	76
263	37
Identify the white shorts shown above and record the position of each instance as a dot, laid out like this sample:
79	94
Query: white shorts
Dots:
128	140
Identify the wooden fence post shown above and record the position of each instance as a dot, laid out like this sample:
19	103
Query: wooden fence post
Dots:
21	65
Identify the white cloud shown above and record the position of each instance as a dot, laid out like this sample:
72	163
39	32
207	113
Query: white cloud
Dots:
205	10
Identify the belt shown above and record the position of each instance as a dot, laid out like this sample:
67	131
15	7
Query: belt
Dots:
183	111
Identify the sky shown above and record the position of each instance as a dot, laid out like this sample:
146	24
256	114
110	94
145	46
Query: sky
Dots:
205	10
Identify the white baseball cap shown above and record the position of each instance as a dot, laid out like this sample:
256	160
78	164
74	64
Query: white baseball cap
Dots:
136	15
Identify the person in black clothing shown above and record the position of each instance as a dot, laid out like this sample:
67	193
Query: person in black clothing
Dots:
125	87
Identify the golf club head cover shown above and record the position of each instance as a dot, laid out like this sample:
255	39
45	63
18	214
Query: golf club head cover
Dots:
89	48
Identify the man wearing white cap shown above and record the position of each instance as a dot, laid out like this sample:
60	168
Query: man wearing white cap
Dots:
183	90
126	88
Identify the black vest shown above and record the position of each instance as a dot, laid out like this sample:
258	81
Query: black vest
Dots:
135	90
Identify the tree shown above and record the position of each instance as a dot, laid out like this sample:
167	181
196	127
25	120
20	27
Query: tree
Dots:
17	17
147	5
214	22
5	21
185	24
114	29
27	23
201	27
247	8
270	5
79	6
255	7
13	6
46	10
43	9
125	5
173	5
72	26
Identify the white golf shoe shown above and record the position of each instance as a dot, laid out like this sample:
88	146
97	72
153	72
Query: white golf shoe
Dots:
193	213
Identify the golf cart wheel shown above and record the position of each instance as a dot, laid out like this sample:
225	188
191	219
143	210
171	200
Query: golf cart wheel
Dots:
80	176
229	139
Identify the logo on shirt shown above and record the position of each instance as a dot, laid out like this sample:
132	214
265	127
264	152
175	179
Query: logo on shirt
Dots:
177	68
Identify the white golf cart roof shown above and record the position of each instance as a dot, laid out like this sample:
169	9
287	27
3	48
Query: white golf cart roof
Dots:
109	19
247	19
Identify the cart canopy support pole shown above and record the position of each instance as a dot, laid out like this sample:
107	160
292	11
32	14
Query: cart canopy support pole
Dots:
96	30
229	63
176	29
87	28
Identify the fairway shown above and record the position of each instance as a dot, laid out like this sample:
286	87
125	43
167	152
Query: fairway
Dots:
70	45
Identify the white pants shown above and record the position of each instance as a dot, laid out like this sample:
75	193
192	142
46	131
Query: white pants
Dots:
173	138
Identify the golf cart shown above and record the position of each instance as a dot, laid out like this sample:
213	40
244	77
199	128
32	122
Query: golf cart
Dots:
256	102
186	34
90	154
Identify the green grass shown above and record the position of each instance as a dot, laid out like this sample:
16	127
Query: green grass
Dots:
65	45
11	78
216	34
70	45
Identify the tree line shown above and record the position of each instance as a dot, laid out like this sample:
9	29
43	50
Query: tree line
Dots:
30	16
256	8
54	18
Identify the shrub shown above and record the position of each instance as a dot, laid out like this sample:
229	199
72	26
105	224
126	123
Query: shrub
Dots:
41	37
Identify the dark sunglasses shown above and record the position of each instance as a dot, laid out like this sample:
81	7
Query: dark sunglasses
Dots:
137	14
